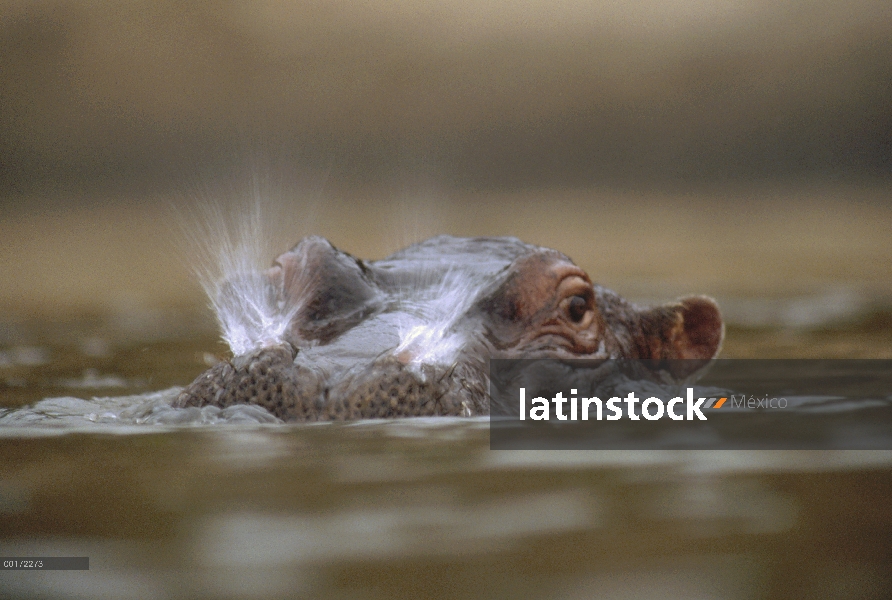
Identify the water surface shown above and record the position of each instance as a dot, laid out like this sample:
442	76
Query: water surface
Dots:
231	504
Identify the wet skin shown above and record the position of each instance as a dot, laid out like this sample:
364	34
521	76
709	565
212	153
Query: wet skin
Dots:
410	335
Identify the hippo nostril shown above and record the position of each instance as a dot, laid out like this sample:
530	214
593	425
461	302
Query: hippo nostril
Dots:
270	379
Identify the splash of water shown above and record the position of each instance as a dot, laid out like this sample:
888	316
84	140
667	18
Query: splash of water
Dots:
234	249
427	334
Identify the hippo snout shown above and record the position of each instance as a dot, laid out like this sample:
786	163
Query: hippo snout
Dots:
273	379
268	378
389	388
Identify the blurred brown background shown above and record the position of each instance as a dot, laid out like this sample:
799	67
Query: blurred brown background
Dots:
741	149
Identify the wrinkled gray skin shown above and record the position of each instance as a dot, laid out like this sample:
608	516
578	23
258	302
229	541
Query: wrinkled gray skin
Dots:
345	352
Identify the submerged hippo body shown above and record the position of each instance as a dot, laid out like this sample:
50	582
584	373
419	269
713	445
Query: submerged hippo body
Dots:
333	337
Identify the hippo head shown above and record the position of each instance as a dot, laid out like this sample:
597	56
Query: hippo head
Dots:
323	335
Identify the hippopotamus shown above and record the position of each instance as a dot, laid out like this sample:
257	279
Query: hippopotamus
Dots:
333	337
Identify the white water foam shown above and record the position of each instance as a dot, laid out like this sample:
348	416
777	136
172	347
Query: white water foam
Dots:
427	334
122	414
235	249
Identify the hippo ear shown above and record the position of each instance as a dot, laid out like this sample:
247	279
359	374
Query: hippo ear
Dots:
691	328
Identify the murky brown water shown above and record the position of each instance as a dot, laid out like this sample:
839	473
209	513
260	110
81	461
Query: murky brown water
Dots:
423	508
413	508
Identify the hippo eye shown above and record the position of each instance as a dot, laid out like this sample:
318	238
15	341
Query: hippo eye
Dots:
576	308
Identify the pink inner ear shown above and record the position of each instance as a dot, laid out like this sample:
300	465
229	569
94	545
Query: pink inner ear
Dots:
703	328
